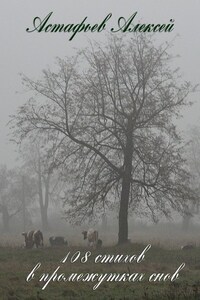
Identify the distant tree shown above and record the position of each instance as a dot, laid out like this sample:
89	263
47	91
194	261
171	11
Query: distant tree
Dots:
39	156
193	156
27	196
193	160
11	195
113	108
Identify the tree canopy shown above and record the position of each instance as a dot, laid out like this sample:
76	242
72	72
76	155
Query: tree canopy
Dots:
113	109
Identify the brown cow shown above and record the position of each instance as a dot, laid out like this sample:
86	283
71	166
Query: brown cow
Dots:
33	238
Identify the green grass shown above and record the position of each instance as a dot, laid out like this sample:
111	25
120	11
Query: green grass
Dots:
16	264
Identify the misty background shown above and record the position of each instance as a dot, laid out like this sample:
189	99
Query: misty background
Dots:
30	53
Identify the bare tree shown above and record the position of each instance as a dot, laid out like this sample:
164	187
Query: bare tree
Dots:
39	156
193	160
193	156
10	195
113	109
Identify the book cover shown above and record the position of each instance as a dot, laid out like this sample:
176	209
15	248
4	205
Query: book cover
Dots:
99	157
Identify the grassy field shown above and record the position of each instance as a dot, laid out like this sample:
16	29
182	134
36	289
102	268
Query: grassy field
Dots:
16	264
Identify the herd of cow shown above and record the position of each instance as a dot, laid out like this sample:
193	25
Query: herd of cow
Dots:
35	238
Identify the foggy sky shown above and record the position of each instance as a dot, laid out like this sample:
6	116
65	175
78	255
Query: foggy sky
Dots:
29	53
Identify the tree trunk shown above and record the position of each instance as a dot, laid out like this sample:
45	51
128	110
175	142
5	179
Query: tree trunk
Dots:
46	204
44	216
43	206
23	204
104	223
123	211
186	222
126	185
5	218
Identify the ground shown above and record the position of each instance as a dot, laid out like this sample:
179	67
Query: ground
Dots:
16	263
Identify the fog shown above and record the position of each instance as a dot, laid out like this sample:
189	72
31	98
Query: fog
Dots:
167	234
30	53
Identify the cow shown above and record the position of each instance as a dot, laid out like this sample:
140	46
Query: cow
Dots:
99	244
57	241
92	237
187	247
33	237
